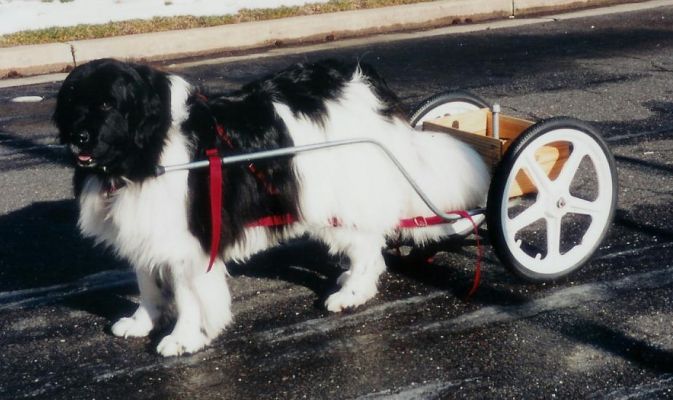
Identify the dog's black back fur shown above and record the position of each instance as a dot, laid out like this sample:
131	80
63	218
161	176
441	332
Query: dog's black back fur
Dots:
250	121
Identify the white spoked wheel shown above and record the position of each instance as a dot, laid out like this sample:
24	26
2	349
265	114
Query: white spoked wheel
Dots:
443	104
568	179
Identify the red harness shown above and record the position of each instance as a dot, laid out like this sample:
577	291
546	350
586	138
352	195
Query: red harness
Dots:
215	183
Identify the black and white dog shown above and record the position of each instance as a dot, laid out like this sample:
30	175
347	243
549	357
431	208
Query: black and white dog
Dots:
123	120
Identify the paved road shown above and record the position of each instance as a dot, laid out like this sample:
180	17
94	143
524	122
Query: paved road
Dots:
604	333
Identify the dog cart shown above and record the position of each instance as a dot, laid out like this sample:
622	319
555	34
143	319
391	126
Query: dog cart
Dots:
554	183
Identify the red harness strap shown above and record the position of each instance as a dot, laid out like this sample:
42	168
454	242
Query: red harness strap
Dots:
273	220
420	222
215	185
215	189
477	266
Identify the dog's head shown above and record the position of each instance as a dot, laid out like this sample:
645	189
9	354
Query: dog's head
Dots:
112	116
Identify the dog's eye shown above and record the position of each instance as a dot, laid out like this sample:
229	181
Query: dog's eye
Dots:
105	106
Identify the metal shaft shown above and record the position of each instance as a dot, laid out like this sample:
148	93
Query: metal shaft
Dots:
289	151
496	120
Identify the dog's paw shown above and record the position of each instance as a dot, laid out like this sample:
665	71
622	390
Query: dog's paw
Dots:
132	327
178	344
349	297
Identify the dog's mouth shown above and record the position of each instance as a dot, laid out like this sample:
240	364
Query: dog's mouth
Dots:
85	160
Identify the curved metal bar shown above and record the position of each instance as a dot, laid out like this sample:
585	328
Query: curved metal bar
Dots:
289	151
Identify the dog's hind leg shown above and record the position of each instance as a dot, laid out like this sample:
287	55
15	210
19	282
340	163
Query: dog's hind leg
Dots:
358	284
140	324
199	296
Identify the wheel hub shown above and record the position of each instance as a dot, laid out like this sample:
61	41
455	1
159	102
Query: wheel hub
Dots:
561	203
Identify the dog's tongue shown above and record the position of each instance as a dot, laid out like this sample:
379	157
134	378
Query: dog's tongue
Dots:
84	157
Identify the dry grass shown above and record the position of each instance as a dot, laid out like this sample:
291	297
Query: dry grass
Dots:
80	32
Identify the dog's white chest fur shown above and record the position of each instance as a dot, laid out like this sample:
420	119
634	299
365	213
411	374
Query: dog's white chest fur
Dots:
146	222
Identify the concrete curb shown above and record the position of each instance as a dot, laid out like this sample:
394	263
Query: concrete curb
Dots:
39	59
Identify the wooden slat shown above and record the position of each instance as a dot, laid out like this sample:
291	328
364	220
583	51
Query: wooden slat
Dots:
487	147
471	121
511	127
481	122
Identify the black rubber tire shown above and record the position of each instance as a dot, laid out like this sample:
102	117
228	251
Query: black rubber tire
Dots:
439	99
496	195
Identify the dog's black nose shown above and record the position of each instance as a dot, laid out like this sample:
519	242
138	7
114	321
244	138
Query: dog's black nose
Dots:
81	137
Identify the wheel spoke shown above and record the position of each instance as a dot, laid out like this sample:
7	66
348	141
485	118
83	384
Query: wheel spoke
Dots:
570	167
525	218
585	207
536	174
553	236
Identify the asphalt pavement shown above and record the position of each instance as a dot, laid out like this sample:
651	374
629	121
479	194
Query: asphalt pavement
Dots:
604	333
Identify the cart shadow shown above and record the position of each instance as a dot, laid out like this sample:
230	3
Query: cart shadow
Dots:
619	344
656	125
662	168
630	220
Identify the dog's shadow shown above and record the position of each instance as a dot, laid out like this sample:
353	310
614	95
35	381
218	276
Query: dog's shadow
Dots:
307	263
41	251
302	262
40	247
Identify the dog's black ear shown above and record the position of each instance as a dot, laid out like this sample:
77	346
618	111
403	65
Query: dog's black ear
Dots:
62	116
151	116
58	118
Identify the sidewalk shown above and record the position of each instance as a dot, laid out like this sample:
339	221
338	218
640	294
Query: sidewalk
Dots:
171	45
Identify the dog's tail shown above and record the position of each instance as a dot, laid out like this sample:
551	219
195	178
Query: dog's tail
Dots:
391	106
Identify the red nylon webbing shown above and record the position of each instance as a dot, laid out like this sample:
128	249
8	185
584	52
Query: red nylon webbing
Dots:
215	184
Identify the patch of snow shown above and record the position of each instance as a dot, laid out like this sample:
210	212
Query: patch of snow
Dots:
21	15
27	99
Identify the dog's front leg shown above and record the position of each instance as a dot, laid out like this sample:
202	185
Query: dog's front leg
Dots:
202	303
186	336
142	322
